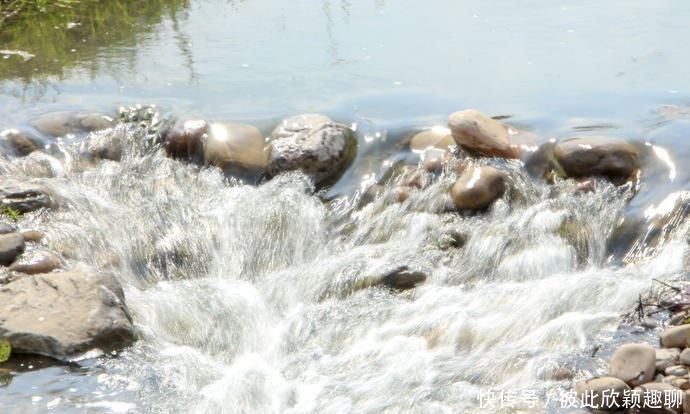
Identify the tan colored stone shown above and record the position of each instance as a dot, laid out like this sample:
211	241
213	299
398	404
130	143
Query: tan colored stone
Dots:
235	148
476	132
613	158
633	363
675	336
605	393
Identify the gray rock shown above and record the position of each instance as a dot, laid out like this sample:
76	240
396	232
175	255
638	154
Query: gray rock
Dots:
64	315
95	121
106	144
665	357
613	158
685	357
236	149
478	187
11	246
36	261
676	371
22	197
633	363
58	124
675	336
184	138
7	228
312	143
593	392
476	132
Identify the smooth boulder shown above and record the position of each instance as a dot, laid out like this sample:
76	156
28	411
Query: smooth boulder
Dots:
613	158
605	393
633	363
64	315
478	187
676	336
312	143
476	132
436	137
235	148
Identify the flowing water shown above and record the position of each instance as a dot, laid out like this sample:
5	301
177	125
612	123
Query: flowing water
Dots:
263	298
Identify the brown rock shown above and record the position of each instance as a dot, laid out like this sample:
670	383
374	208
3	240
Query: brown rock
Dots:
32	236
235	148
633	363
11	246
36	261
478	187
476	132
438	138
183	138
20	143
613	158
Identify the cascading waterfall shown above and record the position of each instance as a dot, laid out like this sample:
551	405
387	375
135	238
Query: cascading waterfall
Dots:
264	298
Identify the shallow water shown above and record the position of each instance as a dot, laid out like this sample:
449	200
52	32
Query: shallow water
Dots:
250	299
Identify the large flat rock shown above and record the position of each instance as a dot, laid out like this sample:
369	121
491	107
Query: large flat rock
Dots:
64	315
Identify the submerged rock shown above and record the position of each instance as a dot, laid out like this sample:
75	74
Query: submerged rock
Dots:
543	163
59	124
64	315
236	149
20	143
312	143
613	158
403	278
184	137
476	132
633	363
11	246
438	138
478	187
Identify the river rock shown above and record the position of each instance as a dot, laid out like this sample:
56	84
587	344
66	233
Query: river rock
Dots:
236	148
591	392
613	158
95	121
36	261
403	278
63	315
107	144
7	228
684	357
476	132
675	336
478	187
312	143
11	246
21	197
665	357
660	398
20	143
633	363
438	137
184	138
543	163
58	124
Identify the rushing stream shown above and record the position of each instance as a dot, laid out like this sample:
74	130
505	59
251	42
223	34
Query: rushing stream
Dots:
263	298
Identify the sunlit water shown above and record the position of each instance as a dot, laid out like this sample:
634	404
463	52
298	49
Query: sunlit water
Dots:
253	298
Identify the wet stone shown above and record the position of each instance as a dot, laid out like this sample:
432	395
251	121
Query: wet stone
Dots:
36	261
591	392
478	187
32	236
19	142
236	149
11	246
23	200
313	143
613	158
476	132
403	278
183	138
